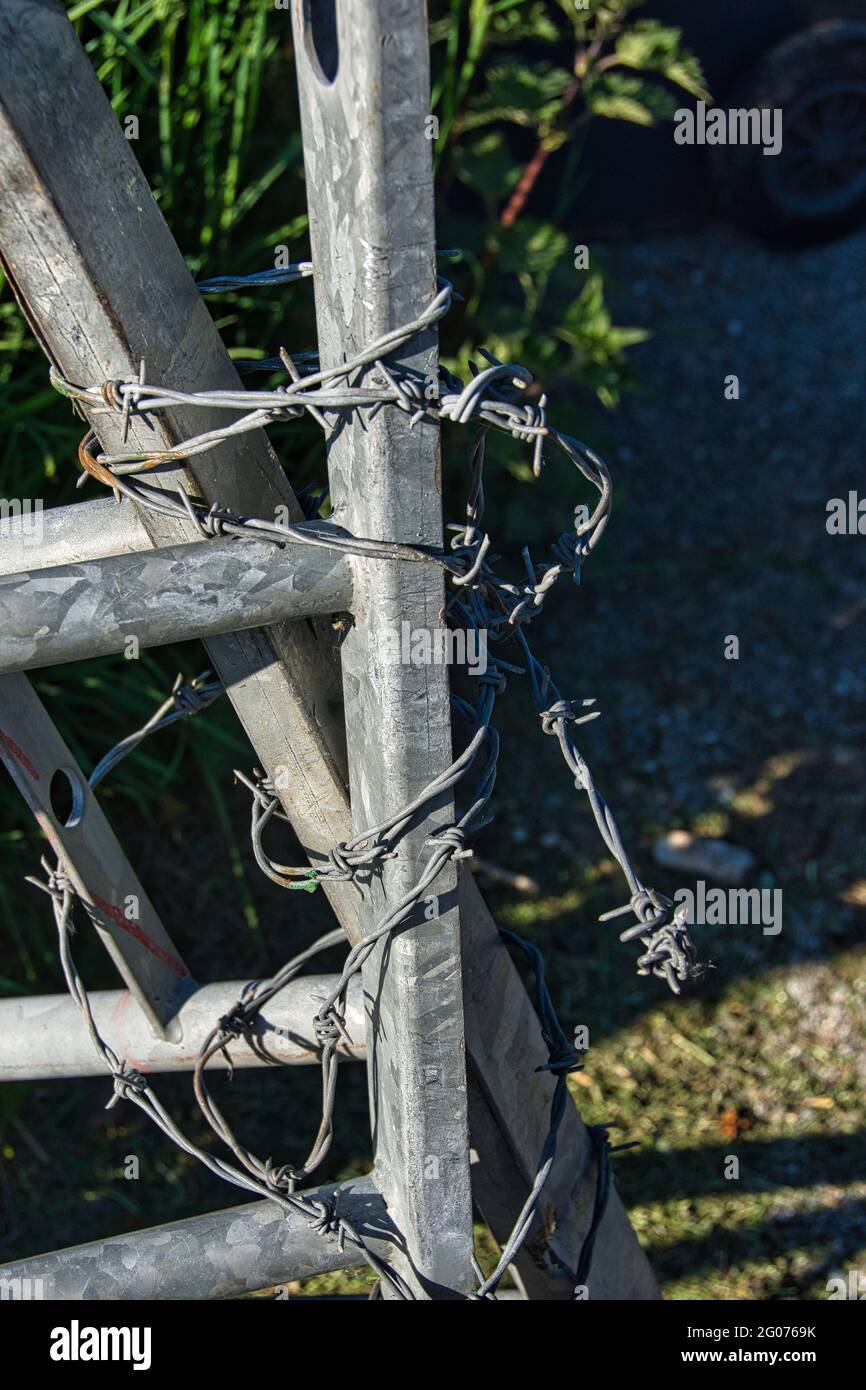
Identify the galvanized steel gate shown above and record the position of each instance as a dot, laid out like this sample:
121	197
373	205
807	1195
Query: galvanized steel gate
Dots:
452	1042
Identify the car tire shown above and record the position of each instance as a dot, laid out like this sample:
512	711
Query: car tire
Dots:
814	189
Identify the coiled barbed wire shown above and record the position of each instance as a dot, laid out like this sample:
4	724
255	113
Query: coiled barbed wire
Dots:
492	398
495	605
481	601
129	1084
263	1177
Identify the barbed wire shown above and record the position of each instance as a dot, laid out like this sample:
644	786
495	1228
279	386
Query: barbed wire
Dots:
129	1084
264	1177
493	399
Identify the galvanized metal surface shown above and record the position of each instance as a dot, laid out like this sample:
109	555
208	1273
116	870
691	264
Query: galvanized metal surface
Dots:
509	1112
220	1255
68	535
43	1037
72	820
370	196
172	594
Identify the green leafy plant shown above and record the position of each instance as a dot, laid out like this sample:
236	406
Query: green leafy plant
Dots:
494	89
203	78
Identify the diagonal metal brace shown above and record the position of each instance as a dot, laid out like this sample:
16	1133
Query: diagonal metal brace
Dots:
70	817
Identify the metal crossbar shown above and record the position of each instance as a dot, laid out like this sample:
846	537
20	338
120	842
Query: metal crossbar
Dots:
175	593
436	977
221	1255
31	1028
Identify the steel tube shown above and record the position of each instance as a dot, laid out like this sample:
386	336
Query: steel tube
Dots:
43	1036
369	180
166	595
68	535
220	1255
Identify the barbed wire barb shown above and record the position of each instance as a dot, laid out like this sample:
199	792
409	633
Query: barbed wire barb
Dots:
493	398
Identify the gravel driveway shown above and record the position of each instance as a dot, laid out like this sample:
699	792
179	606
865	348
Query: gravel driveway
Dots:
719	530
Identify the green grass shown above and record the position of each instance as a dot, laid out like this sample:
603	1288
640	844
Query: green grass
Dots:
753	1074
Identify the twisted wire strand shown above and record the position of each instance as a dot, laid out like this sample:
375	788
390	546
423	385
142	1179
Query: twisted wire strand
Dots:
284	275
185	699
669	952
491	399
129	1084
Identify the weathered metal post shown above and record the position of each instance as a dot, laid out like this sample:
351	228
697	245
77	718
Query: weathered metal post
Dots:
364	87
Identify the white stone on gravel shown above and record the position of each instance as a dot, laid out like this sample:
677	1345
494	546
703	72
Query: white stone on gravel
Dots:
683	852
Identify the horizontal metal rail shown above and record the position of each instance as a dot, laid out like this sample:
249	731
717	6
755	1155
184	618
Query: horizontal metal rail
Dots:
171	594
220	1255
67	535
43	1037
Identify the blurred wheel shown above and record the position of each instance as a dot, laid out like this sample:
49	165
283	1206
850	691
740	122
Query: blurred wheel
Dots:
814	189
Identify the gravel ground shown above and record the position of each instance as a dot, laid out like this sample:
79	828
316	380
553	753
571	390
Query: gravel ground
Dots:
724	530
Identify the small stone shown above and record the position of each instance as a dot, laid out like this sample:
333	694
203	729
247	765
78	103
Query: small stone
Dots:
683	852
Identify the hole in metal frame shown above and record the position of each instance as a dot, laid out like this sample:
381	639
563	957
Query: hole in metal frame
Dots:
66	797
320	38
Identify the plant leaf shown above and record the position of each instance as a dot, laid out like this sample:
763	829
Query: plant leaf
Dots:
635	99
653	47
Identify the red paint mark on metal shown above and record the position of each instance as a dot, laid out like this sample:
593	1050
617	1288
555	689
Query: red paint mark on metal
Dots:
12	747
144	1067
114	914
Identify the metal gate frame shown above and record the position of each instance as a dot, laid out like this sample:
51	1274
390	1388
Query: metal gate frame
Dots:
453	1045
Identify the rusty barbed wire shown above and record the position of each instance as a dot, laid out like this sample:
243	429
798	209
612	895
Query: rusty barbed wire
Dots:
481	601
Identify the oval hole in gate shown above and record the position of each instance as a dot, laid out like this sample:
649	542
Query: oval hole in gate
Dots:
320	36
66	796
